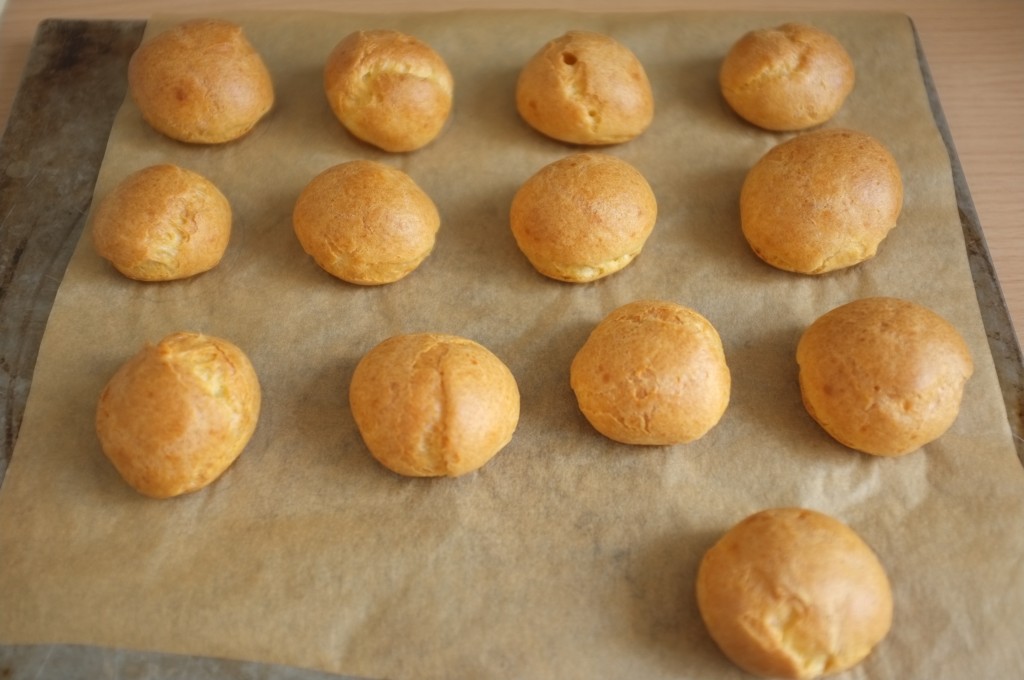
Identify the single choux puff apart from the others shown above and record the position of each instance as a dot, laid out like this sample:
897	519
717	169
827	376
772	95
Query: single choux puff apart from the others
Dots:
883	375
585	88
389	89
791	77
794	593
822	201
201	81
162	223
433	405
583	217
365	222
652	372
178	413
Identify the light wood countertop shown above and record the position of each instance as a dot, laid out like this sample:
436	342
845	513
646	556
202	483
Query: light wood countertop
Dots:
975	52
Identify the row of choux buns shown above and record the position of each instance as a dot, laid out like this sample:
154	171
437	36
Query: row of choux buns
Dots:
203	82
821	201
880	375
816	203
578	219
175	416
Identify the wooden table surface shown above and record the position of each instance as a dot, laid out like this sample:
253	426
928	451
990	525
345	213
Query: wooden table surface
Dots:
975	51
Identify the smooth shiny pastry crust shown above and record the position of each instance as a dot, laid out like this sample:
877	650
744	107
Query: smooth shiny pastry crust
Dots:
201	82
366	222
585	88
791	77
652	372
176	415
794	593
433	404
821	201
161	223
389	89
583	217
883	375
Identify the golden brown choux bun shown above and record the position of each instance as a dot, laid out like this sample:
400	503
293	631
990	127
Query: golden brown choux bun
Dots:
389	89
162	223
791	77
822	201
177	414
652	372
433	405
585	88
583	217
200	82
883	375
365	222
794	593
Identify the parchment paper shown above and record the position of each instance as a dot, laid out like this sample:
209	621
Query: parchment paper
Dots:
568	555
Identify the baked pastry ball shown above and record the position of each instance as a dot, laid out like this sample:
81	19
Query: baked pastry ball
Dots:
389	89
433	405
585	88
201	82
791	77
794	593
883	375
162	223
583	217
365	222
652	372
821	201
178	413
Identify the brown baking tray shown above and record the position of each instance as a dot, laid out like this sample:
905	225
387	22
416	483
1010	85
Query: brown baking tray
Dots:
52	149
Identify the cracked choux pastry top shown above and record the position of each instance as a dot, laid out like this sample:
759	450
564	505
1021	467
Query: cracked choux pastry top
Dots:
790	77
162	223
389	89
585	88
433	404
177	414
794	593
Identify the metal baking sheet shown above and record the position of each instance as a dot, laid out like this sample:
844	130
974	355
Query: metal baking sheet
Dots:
52	150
